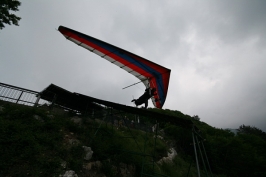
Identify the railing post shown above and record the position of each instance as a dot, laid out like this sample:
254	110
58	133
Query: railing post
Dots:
198	142
37	100
195	150
19	97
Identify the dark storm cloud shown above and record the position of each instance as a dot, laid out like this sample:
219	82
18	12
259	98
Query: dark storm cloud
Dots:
215	49
226	60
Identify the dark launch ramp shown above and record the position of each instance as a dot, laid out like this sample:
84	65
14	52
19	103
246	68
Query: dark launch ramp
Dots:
81	103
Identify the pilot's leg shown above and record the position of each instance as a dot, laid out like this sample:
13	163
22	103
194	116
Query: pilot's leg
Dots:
146	104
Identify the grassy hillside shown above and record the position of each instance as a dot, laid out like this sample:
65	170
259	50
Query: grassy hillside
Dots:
44	142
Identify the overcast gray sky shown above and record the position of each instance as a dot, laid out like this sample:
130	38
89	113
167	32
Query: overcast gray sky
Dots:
216	50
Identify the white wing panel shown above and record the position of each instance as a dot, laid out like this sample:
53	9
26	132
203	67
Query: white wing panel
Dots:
74	40
127	69
141	77
109	58
98	52
118	64
86	47
134	73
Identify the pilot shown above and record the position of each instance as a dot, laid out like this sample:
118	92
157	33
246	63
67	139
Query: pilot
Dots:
143	99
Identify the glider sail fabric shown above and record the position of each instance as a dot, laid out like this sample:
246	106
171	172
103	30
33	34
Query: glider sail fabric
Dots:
151	74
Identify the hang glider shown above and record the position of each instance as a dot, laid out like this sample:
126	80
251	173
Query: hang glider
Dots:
149	73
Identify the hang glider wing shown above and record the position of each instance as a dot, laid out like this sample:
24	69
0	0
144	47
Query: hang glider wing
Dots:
151	74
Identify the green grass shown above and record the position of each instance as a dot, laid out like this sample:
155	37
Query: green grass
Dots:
37	147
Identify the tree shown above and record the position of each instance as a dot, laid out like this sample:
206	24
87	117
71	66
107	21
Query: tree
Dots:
243	129
6	17
196	117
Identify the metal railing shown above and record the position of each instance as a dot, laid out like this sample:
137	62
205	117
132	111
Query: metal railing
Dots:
20	95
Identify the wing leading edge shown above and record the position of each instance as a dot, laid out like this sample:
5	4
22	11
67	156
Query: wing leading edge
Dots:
150	73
